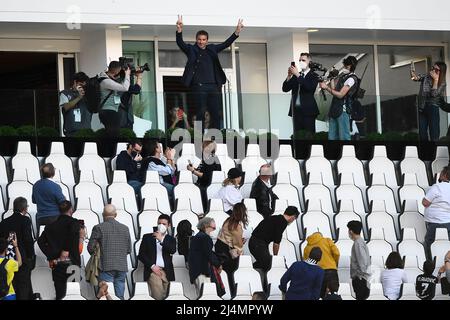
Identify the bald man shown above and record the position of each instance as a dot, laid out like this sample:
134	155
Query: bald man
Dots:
262	192
115	244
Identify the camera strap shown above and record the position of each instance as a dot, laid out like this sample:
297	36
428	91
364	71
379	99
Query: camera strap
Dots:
364	72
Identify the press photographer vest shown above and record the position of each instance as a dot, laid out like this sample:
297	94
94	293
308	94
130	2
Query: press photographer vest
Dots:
337	105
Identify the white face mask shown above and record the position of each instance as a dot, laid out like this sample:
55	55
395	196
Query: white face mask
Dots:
345	71
302	65
162	228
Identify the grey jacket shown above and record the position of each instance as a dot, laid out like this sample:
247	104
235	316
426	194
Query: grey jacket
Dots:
360	260
108	85
115	245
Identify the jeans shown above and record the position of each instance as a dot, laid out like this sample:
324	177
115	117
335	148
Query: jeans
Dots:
208	98
431	234
169	188
429	121
137	185
339	129
116	277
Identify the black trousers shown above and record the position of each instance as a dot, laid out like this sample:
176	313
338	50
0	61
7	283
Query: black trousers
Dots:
45	221
208	98
59	274
329	275
302	122
22	282
260	251
229	264
360	286
111	120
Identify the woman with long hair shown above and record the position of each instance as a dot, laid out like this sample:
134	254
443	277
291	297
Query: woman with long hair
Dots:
230	193
230	242
432	91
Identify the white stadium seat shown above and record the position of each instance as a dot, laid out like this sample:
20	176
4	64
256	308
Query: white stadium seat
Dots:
184	212
352	165
379	191
410	190
251	163
182	276
385	221
90	161
121	146
412	164
176	291
348	191
243	293
378	246
410	247
322	193
209	292
226	163
141	291
285	190
87	189
440	246
73	291
216	212
186	189
286	163
25	160
376	292
216	184
380	164
345	291
317	163
148	218
152	189
440	161
42	282
3	176
314	221
286	250
412	269
62	163
245	274
409	292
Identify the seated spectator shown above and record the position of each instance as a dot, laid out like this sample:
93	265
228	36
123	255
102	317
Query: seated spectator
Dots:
184	234
262	192
437	209
329	261
332	287
178	118
166	168
130	161
202	259
156	253
103	293
259	295
20	224
393	277
305	278
47	195
230	193
10	265
270	230
204	171
426	282
444	275
230	242
74	106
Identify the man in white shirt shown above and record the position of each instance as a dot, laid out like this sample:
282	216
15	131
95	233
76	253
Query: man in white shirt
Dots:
156	253
342	91
437	208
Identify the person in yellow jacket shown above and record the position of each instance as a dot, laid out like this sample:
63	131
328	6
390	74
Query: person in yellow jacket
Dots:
330	257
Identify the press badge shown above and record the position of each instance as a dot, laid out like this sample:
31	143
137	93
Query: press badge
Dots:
77	115
116	99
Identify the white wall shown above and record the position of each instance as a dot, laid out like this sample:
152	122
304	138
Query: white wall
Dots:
381	14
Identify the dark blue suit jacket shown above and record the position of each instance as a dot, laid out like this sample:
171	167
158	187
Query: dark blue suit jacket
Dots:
308	105
213	50
147	254
201	256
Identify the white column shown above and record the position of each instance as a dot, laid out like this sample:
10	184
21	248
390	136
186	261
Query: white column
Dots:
281	50
98	47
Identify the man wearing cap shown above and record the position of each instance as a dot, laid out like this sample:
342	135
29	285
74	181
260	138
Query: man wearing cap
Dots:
270	230
262	192
230	193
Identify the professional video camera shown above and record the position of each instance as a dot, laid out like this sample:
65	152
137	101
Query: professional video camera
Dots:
126	63
333	73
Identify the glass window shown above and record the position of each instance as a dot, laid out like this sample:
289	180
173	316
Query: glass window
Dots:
251	70
398	92
331	56
143	105
170	56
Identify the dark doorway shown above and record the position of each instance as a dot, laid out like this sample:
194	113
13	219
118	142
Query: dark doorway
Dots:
177	95
30	87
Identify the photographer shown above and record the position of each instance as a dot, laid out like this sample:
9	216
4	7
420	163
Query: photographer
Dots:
126	113
303	83
342	89
110	89
74	107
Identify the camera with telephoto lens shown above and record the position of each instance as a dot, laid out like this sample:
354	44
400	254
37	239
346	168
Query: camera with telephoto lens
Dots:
126	63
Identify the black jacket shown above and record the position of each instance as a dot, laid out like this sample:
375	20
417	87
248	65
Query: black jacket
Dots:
147	254
308	85
191	51
261	193
21	225
132	168
201	256
61	235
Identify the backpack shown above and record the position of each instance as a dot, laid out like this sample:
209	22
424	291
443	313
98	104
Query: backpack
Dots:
93	94
4	287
